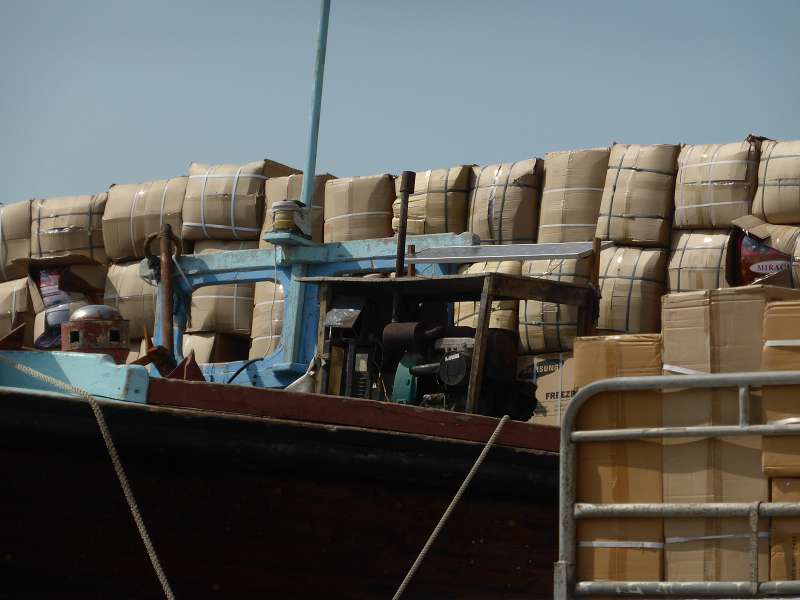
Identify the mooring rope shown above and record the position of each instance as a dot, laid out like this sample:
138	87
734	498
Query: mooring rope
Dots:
449	510
112	452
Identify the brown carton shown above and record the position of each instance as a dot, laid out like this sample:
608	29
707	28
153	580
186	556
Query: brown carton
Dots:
267	326
777	198
573	188
137	210
781	455
133	297
545	326
632	281
637	203
438	203
554	376
784	555
215	347
222	308
619	472
503	206
15	240
68	230
280	189
504	313
226	202
715	184
698	260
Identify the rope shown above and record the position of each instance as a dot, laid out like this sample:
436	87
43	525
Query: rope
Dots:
449	510
112	452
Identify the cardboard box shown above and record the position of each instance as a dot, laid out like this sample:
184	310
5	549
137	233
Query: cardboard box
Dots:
573	188
265	335
358	208
15	240
503	206
226	202
504	314
618	472
778	183
280	189
715	184
784	555
135	211
554	375
215	347
68	230
637	203
781	455
133	297
222	308
632	281
438	203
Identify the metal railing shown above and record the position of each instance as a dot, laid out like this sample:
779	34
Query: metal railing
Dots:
567	588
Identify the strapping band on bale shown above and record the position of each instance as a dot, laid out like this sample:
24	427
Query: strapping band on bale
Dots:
572	189
705	204
569	225
782	343
621	544
359	214
203	226
713	163
642	170
681	370
224	175
764	535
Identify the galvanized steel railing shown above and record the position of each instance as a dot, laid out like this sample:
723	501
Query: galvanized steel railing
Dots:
566	588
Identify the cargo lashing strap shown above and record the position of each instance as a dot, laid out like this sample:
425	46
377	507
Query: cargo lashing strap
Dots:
119	469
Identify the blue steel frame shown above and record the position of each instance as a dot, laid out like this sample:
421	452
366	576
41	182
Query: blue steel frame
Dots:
292	258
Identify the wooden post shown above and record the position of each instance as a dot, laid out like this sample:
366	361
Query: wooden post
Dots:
165	248
479	352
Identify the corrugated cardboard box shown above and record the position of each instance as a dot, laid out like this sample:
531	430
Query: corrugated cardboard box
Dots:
715	184
781	455
222	308
438	203
573	188
777	198
15	240
133	297
16	307
503	206
784	556
698	260
618	472
712	331
136	210
545	326
632	281
638	196
358	208
554	376
279	189
504	313
215	347
226	202
265	335
69	229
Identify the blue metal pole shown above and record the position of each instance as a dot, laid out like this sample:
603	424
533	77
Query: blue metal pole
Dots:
316	105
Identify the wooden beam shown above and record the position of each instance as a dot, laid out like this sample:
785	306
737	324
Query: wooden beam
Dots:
478	353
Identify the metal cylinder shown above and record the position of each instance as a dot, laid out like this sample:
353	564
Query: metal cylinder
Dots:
165	249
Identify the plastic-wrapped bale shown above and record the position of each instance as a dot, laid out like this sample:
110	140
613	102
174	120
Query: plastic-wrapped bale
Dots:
698	260
503	205
222	308
280	189
546	327
438	203
68	229
715	184
226	202
212	347
632	281
777	198
503	314
358	208
637	203
133	297
15	240
16	308
573	188
265	335
136	210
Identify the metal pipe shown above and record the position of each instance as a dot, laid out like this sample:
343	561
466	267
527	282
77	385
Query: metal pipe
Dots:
610	435
407	180
307	192
715	510
165	249
682	589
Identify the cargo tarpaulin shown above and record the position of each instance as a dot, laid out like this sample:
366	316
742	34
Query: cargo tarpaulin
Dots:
438	203
68	229
15	240
358	208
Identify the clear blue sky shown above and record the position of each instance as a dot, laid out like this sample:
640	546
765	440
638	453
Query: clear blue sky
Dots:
95	92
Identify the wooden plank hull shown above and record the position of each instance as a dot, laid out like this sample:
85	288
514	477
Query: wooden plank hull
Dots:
244	507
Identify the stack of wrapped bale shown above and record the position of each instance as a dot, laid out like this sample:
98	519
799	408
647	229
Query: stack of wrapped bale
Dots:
715	185
224	209
635	214
438	203
503	313
267	319
281	189
503	205
358	208
134	212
